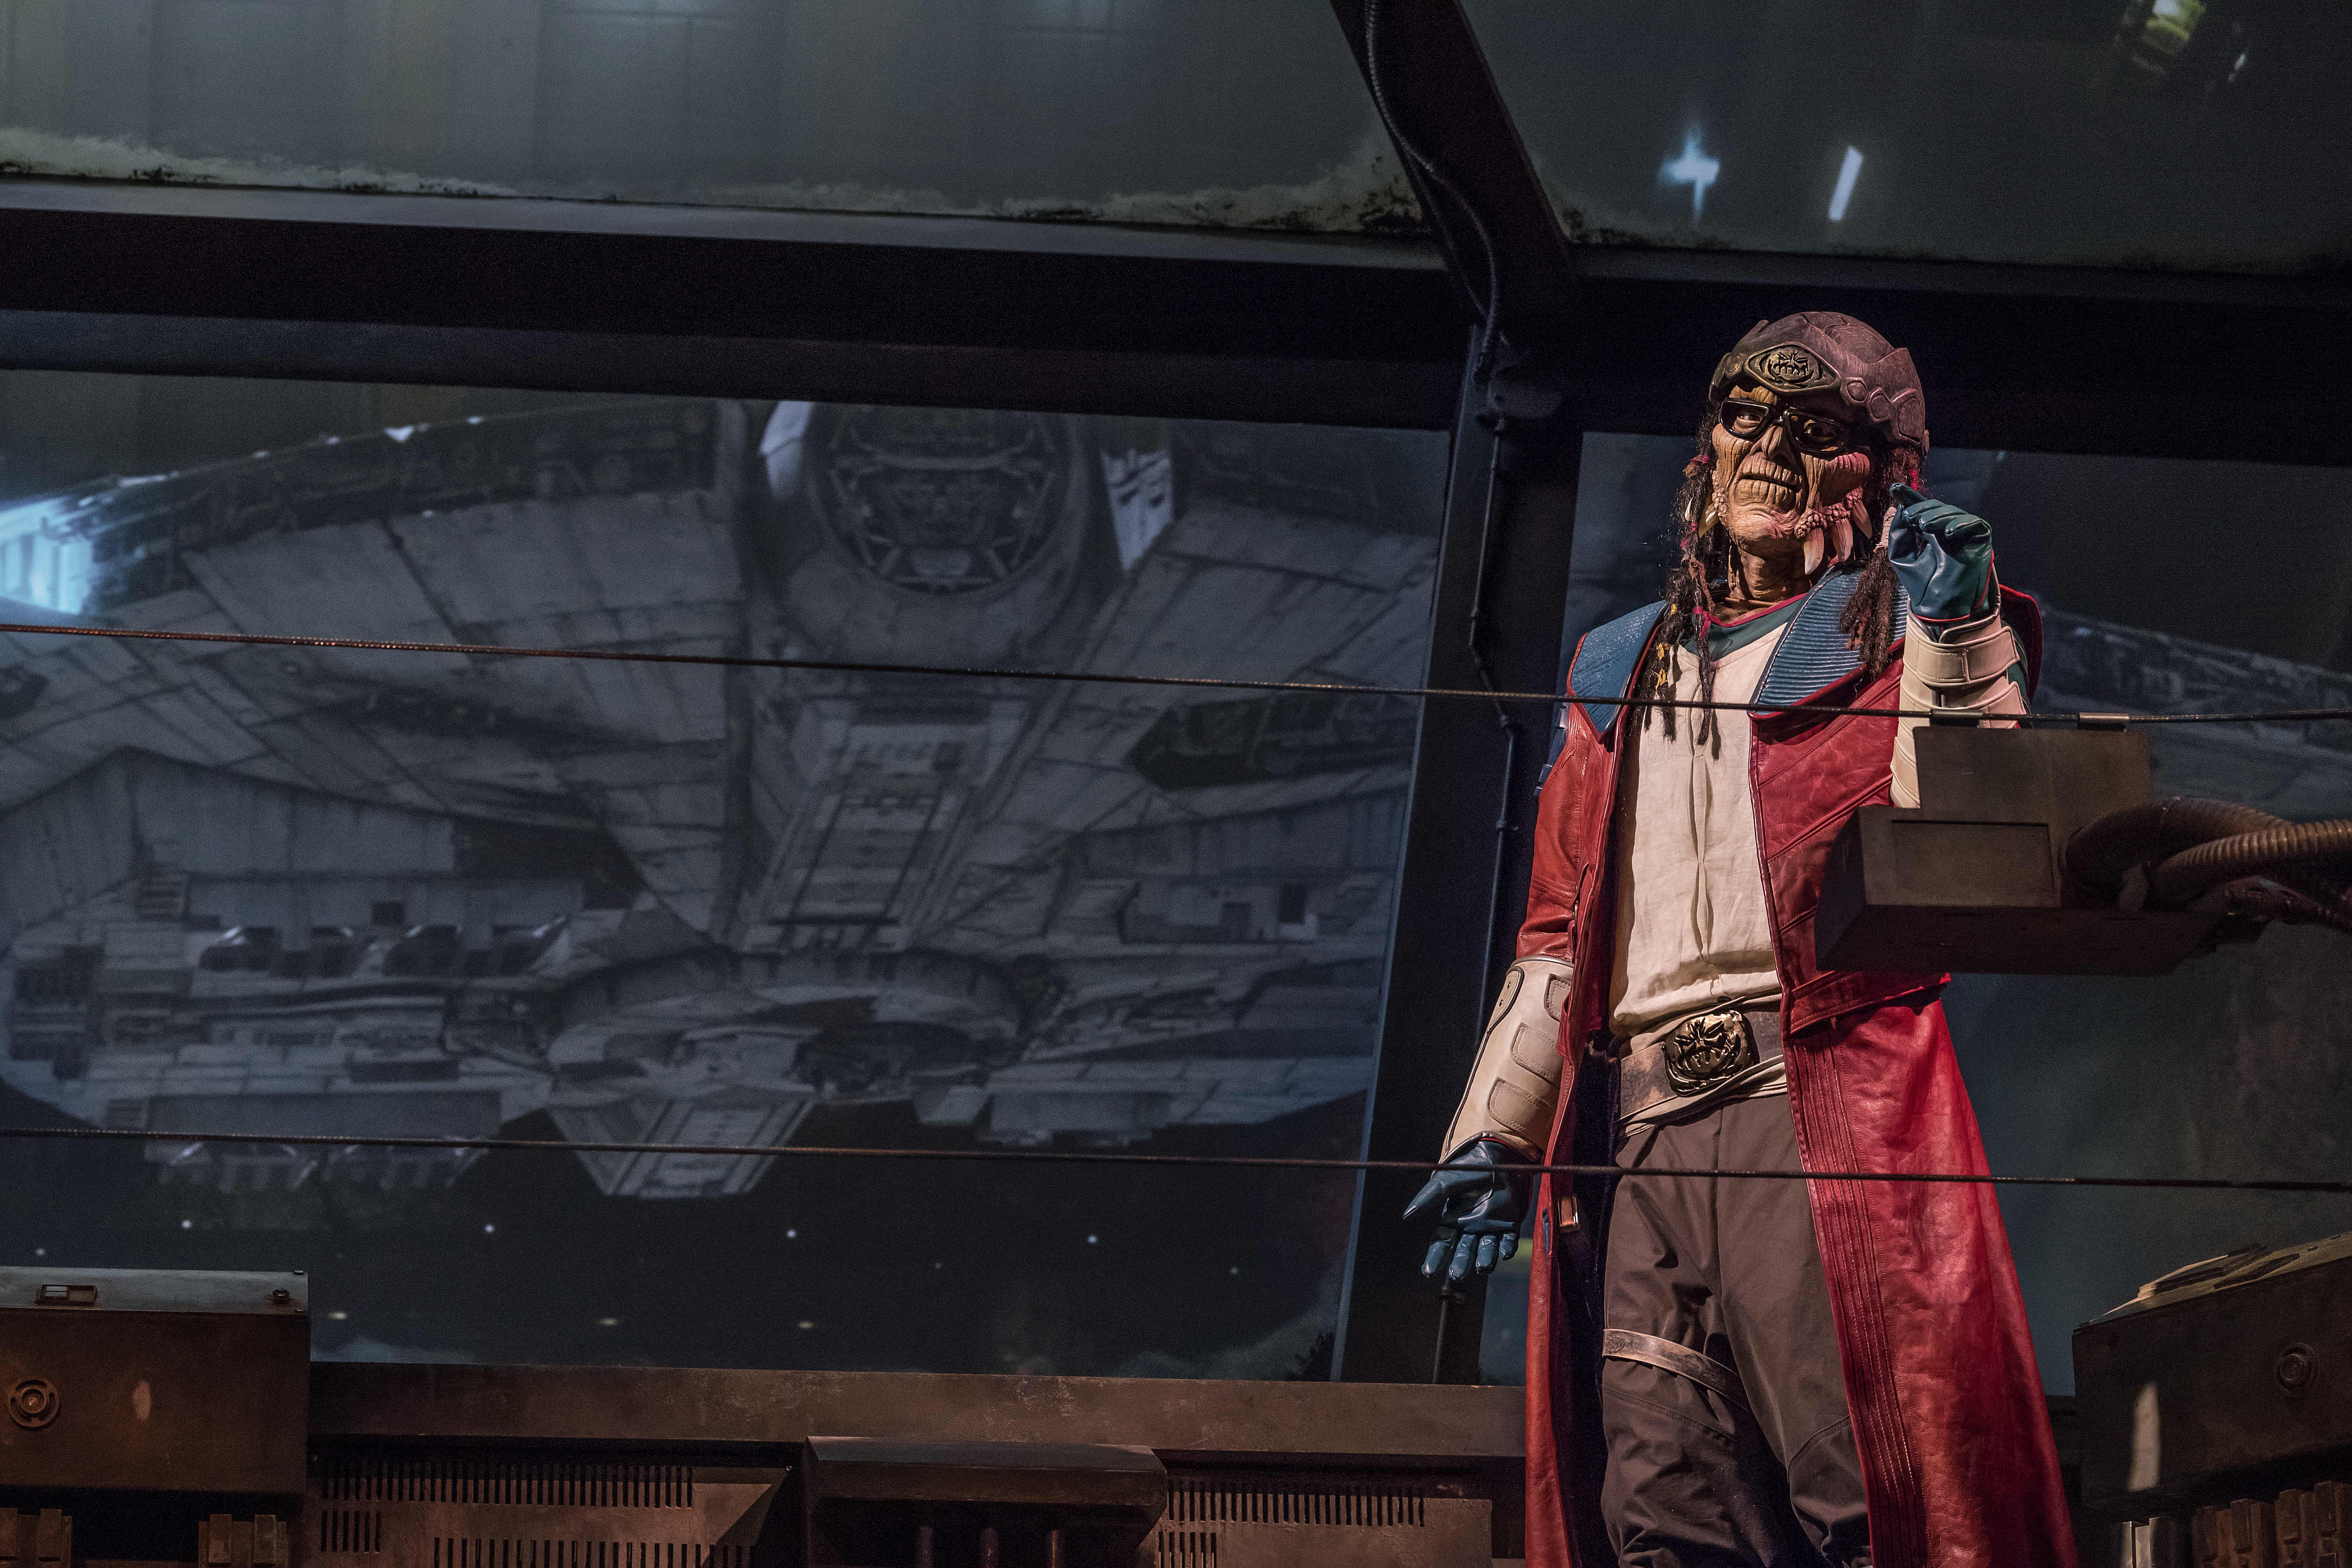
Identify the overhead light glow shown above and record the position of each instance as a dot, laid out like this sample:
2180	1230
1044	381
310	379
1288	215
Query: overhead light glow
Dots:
1845	192
1693	168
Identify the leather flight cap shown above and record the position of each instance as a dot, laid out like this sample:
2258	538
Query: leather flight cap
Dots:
1821	351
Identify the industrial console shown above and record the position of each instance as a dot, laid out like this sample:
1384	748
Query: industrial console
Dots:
175	1419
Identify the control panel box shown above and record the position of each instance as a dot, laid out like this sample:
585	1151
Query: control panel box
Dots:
154	1380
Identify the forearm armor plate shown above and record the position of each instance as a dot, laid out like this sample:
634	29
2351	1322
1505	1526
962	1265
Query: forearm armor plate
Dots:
1974	667
1516	1082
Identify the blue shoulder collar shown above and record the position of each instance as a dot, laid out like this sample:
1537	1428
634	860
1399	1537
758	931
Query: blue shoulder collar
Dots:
1605	661
1812	654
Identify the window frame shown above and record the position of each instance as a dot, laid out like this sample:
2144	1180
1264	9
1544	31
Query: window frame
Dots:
1188	324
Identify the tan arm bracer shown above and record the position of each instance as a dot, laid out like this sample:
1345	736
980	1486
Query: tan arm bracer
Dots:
1972	668
1516	1082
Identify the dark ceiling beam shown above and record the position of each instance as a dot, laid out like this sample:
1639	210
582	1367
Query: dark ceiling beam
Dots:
1503	570
1303	389
1311	333
892	310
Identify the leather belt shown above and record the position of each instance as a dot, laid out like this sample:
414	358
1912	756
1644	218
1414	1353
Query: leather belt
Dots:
1698	1053
1624	1345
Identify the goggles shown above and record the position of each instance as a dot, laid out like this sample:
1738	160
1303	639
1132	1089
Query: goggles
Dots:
1814	435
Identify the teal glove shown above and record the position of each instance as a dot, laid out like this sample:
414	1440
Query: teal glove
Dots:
1943	557
1478	1204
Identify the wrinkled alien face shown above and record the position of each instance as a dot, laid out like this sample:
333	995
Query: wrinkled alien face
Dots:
1788	474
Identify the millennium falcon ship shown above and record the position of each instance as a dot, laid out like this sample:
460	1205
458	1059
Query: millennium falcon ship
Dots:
260	889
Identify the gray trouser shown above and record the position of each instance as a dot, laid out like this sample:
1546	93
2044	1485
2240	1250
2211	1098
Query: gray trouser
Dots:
1730	1270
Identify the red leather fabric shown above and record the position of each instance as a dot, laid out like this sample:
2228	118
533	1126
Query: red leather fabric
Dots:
1806	776
1957	1454
1949	1414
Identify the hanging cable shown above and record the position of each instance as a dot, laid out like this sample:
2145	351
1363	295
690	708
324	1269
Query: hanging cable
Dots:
1481	363
1101	1157
2089	719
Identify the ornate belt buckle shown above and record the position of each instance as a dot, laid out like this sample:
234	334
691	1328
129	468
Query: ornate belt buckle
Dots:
1702	1052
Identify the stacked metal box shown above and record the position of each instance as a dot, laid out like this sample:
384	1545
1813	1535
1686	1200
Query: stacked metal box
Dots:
2216	1410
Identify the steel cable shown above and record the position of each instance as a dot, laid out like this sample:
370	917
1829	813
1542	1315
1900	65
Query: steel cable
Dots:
2089	718
1091	1157
1104	1157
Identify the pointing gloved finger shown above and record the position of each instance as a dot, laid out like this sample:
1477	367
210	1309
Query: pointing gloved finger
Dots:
1450	1187
1437	1250
1431	1197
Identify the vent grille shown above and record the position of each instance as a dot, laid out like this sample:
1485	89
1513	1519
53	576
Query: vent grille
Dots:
460	1552
1188	1549
1370	1507
436	1478
350	1530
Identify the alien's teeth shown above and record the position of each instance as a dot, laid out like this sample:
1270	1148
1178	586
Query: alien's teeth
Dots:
1842	535
1864	527
1815	547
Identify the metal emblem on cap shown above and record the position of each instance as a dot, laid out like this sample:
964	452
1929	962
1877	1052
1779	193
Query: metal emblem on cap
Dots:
1787	368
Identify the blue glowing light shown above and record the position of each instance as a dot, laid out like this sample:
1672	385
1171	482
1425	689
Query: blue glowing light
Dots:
1693	168
1847	171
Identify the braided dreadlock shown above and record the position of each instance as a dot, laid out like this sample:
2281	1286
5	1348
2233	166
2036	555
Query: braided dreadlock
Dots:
1870	619
1702	570
1703	559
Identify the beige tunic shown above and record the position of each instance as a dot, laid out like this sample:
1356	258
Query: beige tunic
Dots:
1692	929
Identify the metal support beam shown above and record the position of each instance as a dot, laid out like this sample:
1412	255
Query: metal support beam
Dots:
1087	319
437	292
1502	575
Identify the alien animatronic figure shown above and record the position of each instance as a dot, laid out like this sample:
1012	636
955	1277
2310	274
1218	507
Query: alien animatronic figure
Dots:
1740	1370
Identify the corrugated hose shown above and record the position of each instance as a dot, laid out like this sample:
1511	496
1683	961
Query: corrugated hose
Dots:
2257	864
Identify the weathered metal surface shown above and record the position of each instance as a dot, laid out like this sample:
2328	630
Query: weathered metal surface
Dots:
1270	1519
159	1381
457	1507
42	1540
224	1540
2223	1378
715	1409
867	1501
456	1464
1076	1475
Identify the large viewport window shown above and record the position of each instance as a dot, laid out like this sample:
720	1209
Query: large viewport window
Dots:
317	892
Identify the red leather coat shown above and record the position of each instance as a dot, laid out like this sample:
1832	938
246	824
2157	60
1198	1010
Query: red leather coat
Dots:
1957	1461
